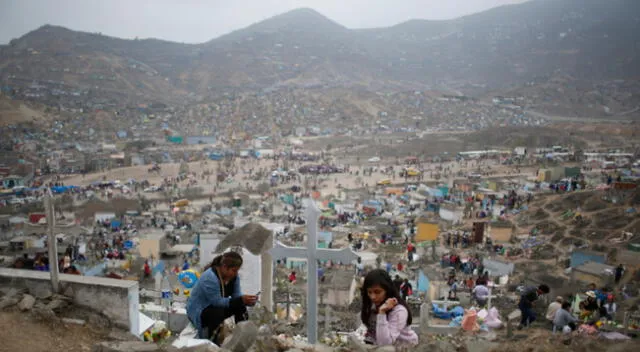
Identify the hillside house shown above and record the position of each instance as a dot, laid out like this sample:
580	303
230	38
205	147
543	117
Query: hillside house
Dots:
97	161
11	181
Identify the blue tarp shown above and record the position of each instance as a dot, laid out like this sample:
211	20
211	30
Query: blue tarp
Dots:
116	224
224	211
61	189
97	270
442	313
216	156
158	268
457	312
423	282
578	258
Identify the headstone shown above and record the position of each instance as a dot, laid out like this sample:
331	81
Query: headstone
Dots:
158	281
516	314
327	319
425	318
158	285
254	266
313	254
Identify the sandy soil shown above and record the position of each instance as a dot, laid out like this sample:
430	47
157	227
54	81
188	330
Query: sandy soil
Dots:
330	183
13	112
23	332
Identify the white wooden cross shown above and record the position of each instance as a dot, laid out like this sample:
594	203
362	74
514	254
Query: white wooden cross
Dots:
313	254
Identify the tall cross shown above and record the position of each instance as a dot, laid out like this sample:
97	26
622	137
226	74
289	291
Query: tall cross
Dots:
313	254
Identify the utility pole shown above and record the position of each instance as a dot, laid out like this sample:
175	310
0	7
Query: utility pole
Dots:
53	244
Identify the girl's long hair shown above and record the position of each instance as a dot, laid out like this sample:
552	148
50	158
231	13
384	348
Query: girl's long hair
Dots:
228	259
379	277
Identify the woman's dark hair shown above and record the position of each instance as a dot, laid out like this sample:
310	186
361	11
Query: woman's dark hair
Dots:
379	277
566	305
544	288
228	259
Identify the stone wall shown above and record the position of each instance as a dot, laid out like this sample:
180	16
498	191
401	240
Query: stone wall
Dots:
116	299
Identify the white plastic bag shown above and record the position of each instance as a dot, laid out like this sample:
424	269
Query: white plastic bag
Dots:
493	319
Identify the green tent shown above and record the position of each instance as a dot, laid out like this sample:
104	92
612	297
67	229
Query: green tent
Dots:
175	139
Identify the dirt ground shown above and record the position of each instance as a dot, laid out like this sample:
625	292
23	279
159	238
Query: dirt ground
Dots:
542	341
25	333
18	112
330	183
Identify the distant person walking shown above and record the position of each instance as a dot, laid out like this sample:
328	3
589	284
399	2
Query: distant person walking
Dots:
619	273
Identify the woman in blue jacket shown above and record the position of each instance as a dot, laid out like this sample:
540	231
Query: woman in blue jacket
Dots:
217	296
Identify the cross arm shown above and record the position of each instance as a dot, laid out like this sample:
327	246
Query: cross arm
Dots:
280	251
344	255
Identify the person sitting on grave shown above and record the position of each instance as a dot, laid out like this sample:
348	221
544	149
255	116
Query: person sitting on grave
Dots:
591	303
217	296
384	312
610	308
563	318
481	294
553	308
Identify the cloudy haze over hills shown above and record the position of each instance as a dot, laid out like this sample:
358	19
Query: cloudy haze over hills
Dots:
197	21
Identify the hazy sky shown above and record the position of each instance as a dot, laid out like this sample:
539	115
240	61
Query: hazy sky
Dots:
196	21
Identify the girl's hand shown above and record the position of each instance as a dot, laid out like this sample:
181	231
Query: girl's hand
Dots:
388	305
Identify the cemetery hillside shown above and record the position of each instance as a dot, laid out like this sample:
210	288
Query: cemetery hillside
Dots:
468	184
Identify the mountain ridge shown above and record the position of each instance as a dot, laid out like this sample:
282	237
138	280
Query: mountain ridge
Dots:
498	49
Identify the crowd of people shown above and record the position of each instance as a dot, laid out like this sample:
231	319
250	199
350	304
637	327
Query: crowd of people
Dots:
567	314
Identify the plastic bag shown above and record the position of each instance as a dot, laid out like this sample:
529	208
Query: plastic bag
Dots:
469	320
456	322
492	319
457	311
